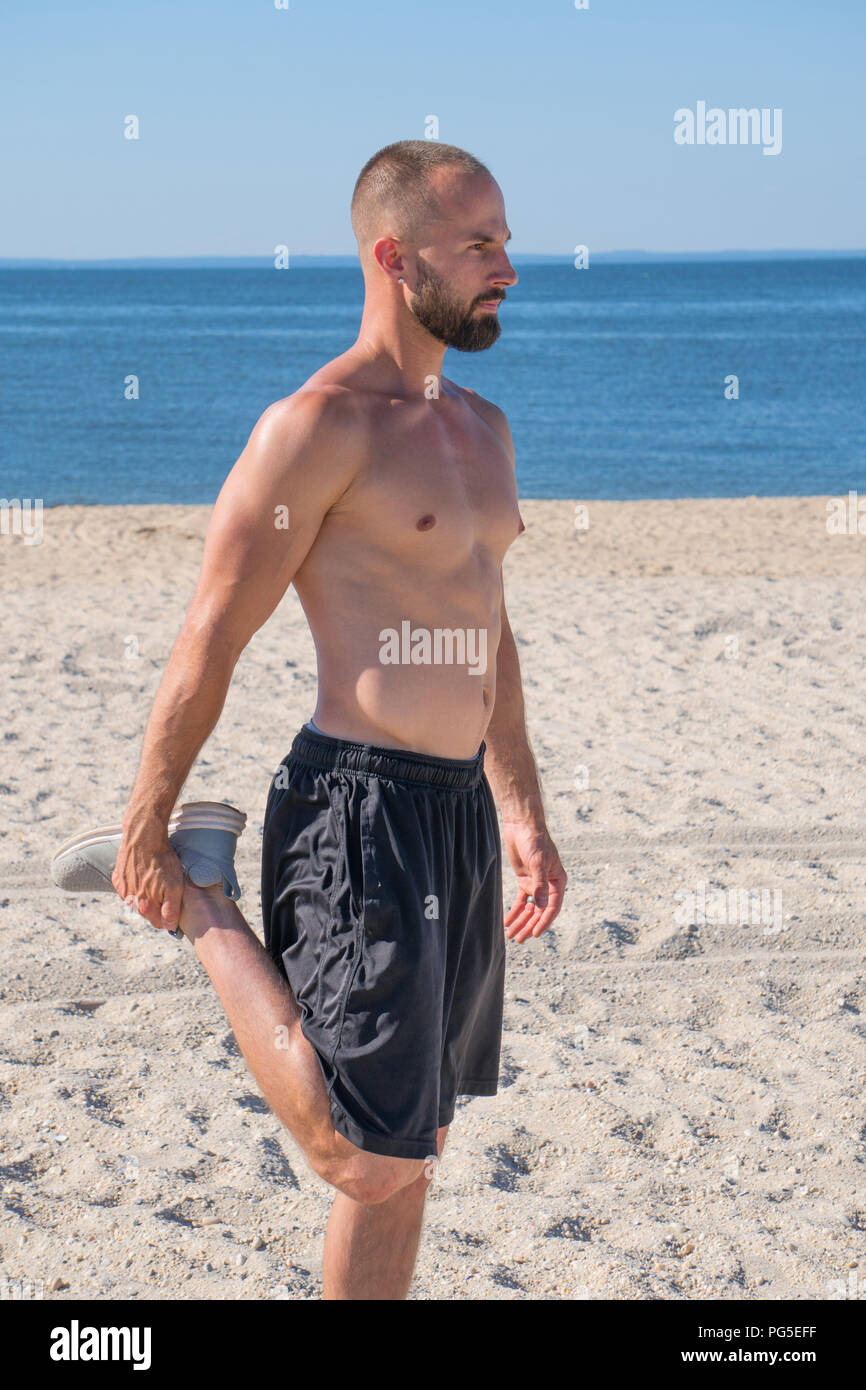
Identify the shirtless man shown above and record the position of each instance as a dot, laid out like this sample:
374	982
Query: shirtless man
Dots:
378	996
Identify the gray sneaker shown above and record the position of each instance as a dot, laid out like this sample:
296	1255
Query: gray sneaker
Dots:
203	835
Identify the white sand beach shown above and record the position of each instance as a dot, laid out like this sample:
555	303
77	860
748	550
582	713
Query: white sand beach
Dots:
681	1107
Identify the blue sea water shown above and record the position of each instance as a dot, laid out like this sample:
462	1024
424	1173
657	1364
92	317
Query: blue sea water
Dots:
613	378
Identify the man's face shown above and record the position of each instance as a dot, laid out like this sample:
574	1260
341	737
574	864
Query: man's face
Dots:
463	273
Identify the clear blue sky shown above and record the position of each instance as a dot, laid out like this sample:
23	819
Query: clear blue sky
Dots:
255	121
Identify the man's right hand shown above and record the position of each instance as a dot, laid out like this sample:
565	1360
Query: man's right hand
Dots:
149	876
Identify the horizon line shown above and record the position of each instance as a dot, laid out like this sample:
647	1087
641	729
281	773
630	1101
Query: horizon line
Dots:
339	260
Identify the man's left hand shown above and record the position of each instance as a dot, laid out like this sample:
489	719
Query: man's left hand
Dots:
540	876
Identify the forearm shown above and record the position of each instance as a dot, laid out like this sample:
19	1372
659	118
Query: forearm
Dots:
508	760
188	704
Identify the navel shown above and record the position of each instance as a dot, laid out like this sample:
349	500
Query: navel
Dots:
426	523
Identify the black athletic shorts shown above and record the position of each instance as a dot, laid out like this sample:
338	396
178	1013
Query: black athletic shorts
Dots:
382	905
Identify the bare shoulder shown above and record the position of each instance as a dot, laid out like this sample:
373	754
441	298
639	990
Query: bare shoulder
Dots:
304	447
491	414
319	425
313	412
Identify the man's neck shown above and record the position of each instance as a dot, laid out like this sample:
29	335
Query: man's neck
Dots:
403	362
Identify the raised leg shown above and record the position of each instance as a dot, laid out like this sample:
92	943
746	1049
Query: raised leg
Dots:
266	1023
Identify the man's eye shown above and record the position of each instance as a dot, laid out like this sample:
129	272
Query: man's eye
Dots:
477	246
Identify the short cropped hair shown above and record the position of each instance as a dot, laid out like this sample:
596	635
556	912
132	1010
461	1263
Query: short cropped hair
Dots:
395	182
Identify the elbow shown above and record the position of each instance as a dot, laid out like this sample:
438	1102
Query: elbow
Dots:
208	634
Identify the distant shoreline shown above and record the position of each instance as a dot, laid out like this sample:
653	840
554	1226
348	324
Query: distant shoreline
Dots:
305	262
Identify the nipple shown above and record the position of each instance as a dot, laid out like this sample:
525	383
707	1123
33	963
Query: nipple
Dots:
426	523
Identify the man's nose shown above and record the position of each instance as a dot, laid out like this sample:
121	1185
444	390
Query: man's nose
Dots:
508	275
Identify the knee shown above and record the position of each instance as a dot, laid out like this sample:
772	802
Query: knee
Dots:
371	1179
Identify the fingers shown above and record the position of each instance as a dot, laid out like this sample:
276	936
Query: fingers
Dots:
530	903
517	909
151	911
523	930
536	908
162	908
171	907
550	912
535	877
159	897
521	913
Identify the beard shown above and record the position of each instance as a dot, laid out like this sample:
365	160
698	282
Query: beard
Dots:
447	320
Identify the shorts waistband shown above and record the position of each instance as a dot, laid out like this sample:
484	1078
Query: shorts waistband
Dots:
339	755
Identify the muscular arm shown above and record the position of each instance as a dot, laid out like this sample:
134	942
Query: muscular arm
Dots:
513	777
292	461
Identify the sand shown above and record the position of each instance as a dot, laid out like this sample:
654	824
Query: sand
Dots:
681	1107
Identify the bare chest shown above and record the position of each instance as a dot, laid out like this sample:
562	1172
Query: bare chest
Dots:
438	485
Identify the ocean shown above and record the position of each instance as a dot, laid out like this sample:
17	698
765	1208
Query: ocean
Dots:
617	379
